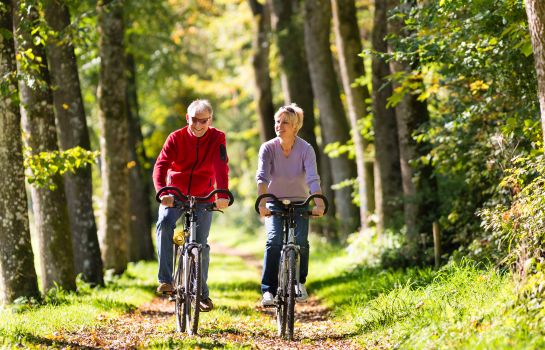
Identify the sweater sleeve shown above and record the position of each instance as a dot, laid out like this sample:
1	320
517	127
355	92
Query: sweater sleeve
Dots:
311	171
221	165
163	162
264	163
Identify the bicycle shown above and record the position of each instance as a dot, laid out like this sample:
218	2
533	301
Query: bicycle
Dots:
187	257
288	271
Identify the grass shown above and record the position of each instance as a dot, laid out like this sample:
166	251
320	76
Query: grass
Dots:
461	306
27	324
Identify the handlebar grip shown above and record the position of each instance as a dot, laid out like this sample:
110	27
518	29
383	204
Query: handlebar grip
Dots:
322	197
178	193
227	192
264	195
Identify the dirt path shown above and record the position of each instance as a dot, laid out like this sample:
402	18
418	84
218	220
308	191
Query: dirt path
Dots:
152	321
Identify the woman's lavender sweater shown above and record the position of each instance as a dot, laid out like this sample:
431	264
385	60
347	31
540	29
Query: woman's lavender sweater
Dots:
293	177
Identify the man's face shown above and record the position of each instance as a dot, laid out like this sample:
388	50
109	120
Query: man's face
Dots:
198	125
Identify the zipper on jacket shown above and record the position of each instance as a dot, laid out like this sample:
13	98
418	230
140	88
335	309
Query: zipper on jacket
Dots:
192	169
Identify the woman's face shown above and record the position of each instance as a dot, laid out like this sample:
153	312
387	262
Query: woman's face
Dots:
283	127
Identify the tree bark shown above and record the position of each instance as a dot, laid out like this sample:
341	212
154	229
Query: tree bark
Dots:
17	273
295	77
535	10
114	219
72	131
332	117
347	38
388	190
50	207
260	62
140	243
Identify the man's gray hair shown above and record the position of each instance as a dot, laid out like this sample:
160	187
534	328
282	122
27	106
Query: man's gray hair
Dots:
199	106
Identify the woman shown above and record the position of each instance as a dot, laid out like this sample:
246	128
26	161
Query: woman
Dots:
287	169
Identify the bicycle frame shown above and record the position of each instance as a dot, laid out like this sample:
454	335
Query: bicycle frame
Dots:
289	244
289	264
187	275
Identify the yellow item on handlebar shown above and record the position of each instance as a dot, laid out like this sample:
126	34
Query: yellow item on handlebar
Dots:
179	237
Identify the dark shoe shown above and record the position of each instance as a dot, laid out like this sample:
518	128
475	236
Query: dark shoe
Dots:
165	288
206	305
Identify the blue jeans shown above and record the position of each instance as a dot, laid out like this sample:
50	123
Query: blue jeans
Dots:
165	230
274	226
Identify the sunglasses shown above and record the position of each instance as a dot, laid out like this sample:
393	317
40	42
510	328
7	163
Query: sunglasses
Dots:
289	109
203	121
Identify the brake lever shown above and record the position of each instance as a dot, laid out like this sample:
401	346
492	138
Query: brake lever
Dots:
214	208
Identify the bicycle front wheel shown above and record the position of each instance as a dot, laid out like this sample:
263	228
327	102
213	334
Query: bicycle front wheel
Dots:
290	302
281	297
193	288
179	289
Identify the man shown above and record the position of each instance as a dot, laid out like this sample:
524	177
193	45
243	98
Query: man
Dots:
193	159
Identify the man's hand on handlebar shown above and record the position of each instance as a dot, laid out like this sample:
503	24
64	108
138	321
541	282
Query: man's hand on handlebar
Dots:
222	203
168	200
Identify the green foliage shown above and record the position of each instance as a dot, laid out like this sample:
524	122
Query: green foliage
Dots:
517	228
44	166
471	64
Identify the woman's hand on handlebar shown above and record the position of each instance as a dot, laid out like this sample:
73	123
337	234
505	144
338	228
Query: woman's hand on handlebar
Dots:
318	211
167	200
264	211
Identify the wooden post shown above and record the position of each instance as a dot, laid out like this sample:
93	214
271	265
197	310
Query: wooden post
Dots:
437	243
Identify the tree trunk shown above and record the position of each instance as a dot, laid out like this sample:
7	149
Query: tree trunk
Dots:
535	10
332	117
260	62
114	220
50	207
388	189
140	243
72	130
293	63
17	273
419	195
296	85
349	45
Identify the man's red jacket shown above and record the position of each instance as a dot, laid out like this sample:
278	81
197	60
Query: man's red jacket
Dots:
196	165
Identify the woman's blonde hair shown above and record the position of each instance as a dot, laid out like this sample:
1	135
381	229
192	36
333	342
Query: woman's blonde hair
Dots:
294	115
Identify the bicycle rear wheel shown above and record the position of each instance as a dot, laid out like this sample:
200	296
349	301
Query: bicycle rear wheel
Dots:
178	289
290	302
193	288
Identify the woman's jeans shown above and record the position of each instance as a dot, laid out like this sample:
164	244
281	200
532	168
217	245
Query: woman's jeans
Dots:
274	226
165	230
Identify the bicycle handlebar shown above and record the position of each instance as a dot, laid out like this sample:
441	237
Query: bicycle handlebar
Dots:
295	205
182	197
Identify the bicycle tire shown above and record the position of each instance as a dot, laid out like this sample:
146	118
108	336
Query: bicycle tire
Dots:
290	302
179	290
281	308
193	292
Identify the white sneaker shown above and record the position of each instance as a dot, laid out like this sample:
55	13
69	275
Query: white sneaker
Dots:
302	294
268	299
